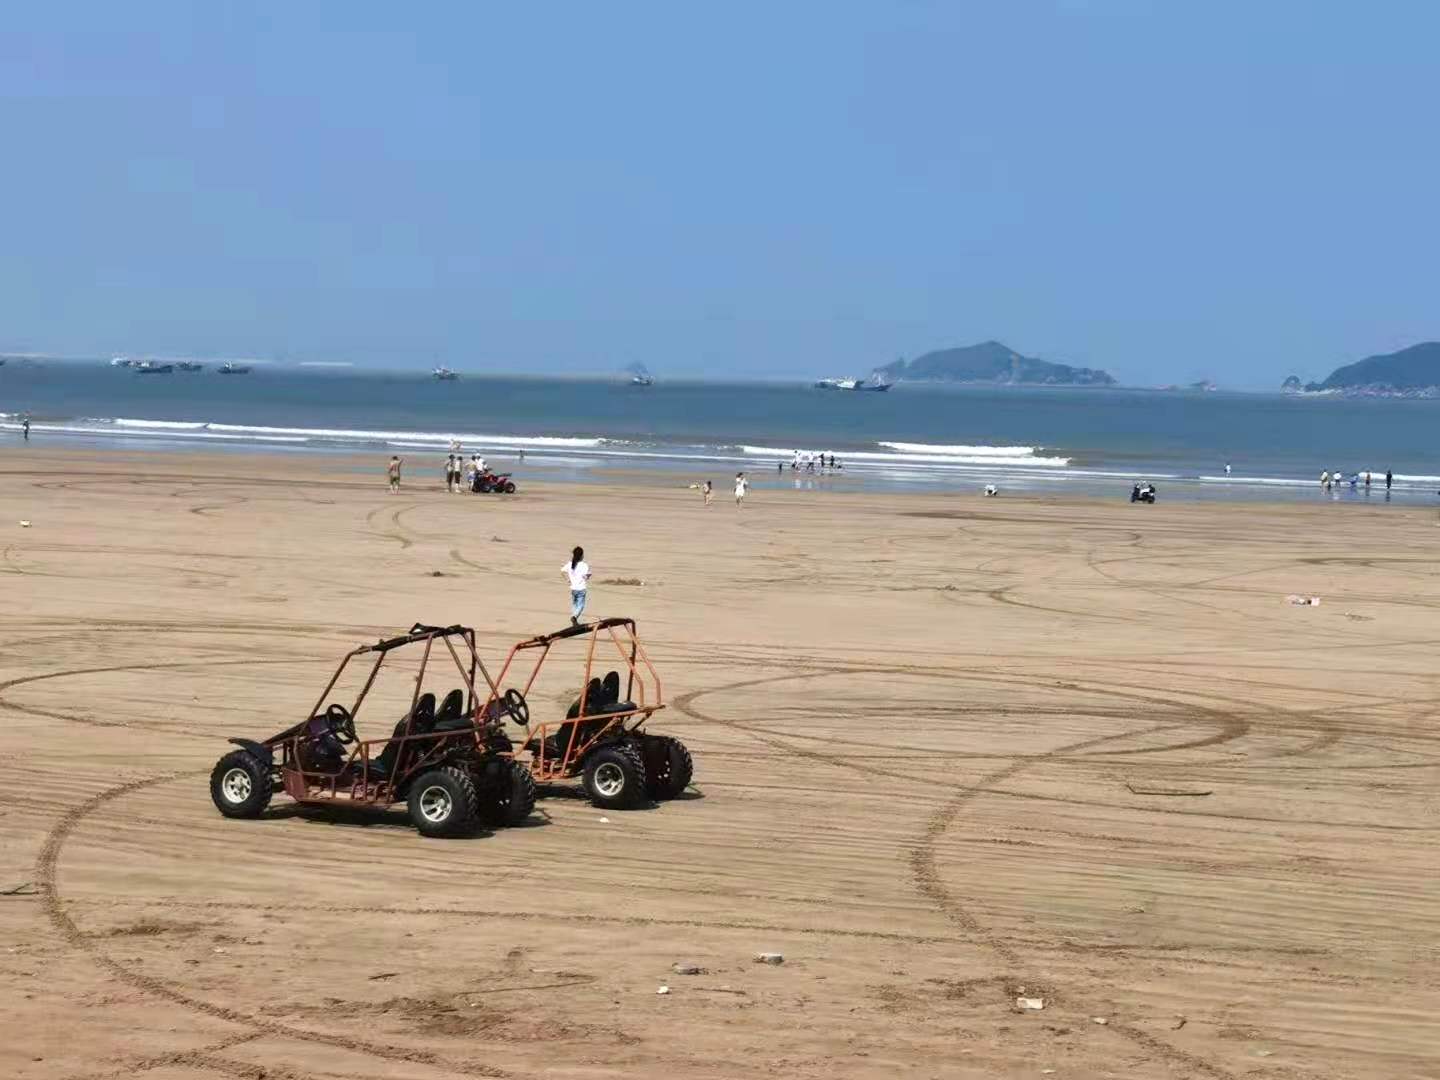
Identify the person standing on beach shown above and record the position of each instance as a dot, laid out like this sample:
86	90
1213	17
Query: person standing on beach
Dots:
709	492
577	570
742	485
1325	480
25	427
1367	481
1389	479
393	470
1227	468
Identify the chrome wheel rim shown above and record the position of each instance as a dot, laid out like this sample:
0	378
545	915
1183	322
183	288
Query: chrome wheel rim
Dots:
609	779
435	804
236	785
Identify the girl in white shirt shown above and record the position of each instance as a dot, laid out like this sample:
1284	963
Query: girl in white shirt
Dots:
577	570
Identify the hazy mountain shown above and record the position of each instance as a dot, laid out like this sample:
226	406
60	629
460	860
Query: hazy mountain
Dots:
1413	369
993	362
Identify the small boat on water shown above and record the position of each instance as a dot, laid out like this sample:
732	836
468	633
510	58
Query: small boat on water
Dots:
121	361
231	368
150	367
642	380
189	365
876	382
444	374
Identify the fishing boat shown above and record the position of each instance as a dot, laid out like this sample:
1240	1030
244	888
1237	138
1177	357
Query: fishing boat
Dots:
150	367
189	365
232	368
640	379
837	384
444	374
121	361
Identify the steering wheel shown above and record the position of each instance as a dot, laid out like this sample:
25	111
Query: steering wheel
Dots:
341	723
517	707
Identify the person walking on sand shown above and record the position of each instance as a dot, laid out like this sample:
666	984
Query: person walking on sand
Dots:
393	471
708	490
577	570
742	485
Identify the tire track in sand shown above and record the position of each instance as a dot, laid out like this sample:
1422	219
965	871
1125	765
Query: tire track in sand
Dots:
72	935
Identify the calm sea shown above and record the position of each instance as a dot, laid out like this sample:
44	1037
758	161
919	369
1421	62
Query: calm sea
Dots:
912	438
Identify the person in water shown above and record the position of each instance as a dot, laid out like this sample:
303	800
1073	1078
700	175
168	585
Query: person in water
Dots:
577	570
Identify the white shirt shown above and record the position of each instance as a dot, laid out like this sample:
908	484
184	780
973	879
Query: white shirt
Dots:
740	485
579	575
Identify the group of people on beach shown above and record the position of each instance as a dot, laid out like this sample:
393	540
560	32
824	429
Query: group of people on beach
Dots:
460	474
810	461
1329	480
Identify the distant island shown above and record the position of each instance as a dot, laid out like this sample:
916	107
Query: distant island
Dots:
1409	373
993	362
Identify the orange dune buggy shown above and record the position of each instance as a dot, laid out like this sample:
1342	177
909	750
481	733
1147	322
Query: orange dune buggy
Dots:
602	740
451	766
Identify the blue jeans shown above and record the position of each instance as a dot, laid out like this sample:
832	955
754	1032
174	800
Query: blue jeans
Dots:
577	602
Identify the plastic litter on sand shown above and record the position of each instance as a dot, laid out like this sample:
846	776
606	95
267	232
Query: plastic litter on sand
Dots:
1029	1003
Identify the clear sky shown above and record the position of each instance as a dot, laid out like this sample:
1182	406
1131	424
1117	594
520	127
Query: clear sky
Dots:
1167	190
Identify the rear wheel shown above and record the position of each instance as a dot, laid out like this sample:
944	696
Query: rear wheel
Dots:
668	767
614	776
443	802
240	785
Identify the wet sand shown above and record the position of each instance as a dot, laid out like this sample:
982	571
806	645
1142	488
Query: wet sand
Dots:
946	747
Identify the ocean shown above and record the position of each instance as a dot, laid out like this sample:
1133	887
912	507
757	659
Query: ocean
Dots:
913	438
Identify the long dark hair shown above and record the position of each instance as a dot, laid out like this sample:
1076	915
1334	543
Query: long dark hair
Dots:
576	556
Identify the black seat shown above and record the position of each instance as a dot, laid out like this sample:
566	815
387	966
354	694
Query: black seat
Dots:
395	751
611	685
451	714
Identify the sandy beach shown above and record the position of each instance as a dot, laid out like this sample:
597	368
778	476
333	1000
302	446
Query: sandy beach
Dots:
950	751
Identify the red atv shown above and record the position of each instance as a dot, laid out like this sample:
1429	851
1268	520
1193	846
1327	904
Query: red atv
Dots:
488	482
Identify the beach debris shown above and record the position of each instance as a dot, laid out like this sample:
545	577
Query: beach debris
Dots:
1099	1020
437	573
1179	1023
1303	601
25	888
769	958
622	581
1029	1004
384	975
24	523
1166	791
498	540
603	820
663	990
687	969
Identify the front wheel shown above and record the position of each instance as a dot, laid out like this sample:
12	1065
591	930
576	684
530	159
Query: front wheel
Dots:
443	802
668	767
509	795
240	785
509	488
614	777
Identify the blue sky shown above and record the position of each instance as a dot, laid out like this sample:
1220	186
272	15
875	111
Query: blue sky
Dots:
1168	191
